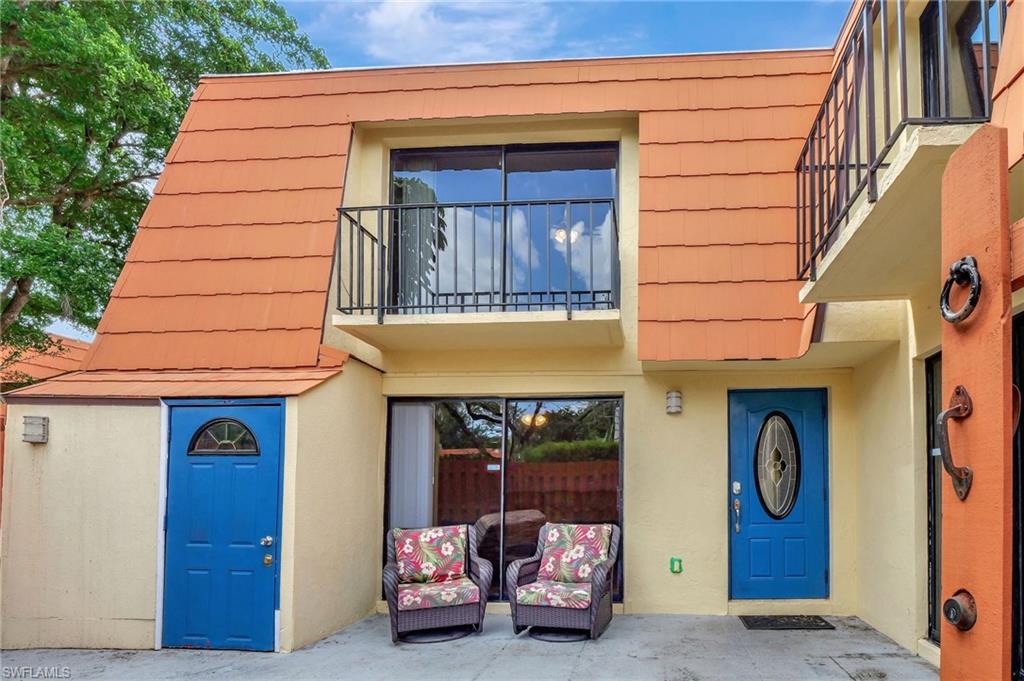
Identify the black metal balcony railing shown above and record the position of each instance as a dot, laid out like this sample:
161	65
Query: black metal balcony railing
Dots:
882	83
478	257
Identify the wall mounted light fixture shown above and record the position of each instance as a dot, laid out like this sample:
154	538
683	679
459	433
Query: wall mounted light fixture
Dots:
673	402
36	429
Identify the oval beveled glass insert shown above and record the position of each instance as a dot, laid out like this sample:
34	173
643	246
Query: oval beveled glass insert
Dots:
777	466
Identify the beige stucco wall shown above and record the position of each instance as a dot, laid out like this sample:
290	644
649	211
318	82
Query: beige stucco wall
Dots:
333	505
79	528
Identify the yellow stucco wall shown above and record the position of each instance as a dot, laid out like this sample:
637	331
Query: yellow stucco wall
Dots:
675	473
676	467
333	510
79	528
892	529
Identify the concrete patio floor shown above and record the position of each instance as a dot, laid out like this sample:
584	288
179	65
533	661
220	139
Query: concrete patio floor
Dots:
676	647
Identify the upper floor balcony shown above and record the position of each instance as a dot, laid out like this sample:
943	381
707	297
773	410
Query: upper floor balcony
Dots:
509	271
911	82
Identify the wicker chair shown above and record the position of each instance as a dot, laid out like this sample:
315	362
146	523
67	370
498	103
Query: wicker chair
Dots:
409	612
594	617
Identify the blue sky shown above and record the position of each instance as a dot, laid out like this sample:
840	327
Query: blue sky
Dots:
428	32
356	33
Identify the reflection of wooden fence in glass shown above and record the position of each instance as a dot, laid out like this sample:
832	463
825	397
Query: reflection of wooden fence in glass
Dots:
569	491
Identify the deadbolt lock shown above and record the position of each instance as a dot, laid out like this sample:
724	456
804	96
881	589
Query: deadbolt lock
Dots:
960	610
267	541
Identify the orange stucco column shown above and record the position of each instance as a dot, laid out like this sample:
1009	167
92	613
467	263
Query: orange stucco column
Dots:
976	353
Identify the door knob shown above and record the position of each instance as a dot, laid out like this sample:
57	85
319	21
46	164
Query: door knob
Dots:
268	559
961	610
267	541
736	510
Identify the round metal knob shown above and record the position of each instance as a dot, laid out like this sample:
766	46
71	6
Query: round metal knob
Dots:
960	610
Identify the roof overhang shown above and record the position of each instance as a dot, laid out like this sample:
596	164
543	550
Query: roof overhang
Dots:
153	385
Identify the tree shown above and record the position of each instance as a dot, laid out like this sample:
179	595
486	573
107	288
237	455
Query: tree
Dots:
91	96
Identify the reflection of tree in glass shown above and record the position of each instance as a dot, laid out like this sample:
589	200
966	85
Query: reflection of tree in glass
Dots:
422	238
469	426
571	430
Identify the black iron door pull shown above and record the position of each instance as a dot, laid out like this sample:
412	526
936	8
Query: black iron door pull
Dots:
959	407
963	272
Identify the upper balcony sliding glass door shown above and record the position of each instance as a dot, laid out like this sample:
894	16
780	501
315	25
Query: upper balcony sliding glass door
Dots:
528	227
559	247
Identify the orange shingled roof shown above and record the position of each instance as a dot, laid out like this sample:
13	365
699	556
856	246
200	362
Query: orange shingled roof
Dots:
156	384
42	366
231	265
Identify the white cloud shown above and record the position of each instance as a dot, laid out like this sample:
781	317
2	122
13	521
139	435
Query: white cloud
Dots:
389	32
425	31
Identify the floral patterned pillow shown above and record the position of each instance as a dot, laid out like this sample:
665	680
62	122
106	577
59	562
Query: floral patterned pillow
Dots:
571	551
433	554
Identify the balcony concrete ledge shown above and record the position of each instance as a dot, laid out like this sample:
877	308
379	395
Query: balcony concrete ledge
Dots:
890	247
486	330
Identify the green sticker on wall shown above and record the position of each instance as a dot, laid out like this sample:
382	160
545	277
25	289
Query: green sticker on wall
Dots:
675	565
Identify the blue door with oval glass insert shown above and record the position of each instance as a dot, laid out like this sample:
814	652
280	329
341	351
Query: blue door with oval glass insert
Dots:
778	503
222	524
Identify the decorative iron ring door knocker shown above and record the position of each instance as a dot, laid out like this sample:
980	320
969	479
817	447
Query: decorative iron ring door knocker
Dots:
960	407
962	273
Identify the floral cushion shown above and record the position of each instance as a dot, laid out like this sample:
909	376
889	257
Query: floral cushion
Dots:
458	591
572	551
554	594
433	554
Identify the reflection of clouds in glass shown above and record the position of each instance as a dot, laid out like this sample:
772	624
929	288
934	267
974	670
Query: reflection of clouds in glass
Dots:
469	268
599	238
486	262
526	251
522	249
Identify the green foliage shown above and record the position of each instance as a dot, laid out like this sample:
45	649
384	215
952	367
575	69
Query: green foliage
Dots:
565	420
25	342
91	96
577	450
469	425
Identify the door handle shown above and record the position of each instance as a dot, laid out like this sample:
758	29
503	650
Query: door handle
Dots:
736	510
268	559
267	541
959	407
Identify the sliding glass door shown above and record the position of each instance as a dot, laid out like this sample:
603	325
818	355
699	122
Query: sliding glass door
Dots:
505	466
491	228
562	465
445	468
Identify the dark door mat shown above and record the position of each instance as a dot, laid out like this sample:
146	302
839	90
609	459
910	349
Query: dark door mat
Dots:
785	622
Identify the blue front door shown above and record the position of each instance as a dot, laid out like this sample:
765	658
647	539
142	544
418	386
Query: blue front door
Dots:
778	494
222	525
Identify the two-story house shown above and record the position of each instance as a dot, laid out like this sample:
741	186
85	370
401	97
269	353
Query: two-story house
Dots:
692	295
